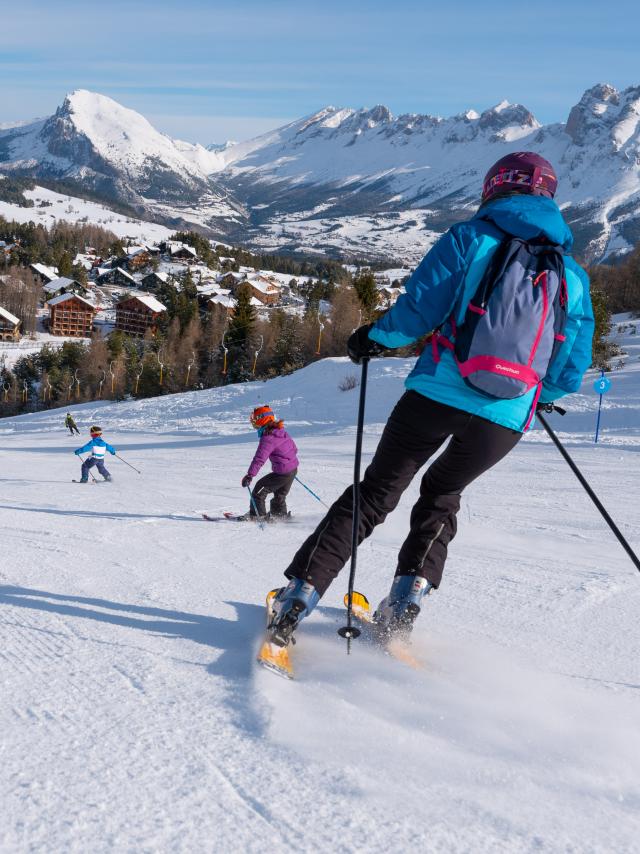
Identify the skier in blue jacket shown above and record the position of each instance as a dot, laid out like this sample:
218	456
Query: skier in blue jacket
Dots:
439	405
96	448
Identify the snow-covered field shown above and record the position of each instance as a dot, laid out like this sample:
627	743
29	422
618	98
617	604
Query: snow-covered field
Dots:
51	207
133	718
406	235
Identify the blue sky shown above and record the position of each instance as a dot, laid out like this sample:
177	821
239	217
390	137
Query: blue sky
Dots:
210	70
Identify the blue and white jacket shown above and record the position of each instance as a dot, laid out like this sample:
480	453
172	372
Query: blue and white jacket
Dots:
445	281
97	448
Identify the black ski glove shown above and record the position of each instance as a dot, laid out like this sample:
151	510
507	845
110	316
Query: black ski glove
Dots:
550	407
360	346
246	480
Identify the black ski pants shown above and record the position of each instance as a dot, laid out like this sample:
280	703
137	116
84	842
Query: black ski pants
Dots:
279	484
416	429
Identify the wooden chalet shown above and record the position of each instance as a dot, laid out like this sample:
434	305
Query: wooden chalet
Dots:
117	276
138	257
43	273
231	279
138	313
184	253
63	285
263	290
9	326
227	302
153	281
71	315
221	302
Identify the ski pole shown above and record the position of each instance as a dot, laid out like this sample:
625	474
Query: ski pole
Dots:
255	507
574	468
349	631
317	497
94	479
128	464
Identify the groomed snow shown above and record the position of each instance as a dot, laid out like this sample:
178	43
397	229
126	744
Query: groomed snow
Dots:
133	718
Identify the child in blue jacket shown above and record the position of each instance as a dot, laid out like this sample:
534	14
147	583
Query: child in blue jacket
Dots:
439	406
96	448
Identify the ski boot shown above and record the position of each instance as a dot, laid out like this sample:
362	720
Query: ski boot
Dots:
108	478
396	614
290	605
278	517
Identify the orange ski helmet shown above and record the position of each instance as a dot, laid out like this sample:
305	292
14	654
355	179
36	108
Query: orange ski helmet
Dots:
261	416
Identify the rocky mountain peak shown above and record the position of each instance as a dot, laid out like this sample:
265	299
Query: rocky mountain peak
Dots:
597	107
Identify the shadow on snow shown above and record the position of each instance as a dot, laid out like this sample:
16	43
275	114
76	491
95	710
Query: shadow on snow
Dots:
236	639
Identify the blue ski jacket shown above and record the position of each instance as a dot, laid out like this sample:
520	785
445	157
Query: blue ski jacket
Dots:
446	279
97	448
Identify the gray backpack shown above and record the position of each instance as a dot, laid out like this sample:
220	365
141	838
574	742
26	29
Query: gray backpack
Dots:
514	324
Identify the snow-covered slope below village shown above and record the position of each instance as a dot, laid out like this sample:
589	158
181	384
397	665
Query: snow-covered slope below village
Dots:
133	717
96	144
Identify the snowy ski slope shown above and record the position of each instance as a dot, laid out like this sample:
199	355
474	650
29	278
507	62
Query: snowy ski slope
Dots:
133	719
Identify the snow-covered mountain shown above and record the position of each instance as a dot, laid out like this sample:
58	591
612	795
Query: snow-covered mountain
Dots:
341	180
342	163
94	143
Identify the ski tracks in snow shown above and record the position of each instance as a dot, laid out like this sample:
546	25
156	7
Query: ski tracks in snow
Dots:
133	718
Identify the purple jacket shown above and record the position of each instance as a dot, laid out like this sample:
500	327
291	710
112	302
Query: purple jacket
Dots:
277	446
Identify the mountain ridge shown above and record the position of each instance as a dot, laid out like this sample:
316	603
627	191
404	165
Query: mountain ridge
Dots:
340	176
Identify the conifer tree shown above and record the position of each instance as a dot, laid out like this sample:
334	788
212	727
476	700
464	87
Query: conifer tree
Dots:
365	287
240	337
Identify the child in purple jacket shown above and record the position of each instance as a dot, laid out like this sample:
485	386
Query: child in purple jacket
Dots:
278	446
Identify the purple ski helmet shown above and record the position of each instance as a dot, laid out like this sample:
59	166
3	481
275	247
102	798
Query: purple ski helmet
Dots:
523	171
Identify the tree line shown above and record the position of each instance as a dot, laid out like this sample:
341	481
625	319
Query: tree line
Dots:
199	348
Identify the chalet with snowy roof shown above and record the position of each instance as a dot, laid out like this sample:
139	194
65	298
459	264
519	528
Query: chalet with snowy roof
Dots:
43	273
63	285
137	258
71	315
117	276
231	279
184	253
9	326
263	290
155	280
136	314
87	261
227	302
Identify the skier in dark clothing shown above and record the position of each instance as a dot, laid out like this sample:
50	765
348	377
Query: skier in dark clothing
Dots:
278	446
445	399
71	424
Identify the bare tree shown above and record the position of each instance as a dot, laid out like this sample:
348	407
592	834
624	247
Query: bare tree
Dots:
19	294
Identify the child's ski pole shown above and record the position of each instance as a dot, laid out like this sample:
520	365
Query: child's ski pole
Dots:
255	507
94	479
317	497
128	464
